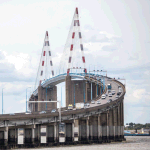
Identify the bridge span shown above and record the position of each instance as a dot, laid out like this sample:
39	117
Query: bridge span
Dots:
99	123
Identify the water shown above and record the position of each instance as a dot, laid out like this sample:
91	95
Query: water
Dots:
131	143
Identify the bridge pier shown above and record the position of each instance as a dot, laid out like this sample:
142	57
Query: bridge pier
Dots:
6	136
111	125
50	133
88	92
99	128
119	121
104	127
115	113
94	128
82	130
68	132
76	130
87	127
11	136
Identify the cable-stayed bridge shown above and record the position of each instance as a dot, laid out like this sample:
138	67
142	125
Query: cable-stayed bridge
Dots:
100	117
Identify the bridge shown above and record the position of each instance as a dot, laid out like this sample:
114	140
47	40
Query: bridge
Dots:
102	121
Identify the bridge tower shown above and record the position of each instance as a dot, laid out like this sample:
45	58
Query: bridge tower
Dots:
76	33
76	90
45	71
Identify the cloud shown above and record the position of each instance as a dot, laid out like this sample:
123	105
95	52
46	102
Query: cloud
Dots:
109	48
139	93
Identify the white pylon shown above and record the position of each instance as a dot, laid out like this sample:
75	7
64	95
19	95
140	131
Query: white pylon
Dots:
76	32
75	46
46	65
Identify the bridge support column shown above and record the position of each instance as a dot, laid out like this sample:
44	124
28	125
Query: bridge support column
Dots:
6	136
115	123
111	127
87	92
15	135
99	128
108	126
38	133
90	129
119	120
91	92
96	90
76	130
122	122
33	134
73	130
55	132
87	128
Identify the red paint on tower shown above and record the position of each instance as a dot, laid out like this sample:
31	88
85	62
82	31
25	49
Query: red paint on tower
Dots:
42	63
83	59
68	70
47	33
71	48
73	34
44	53
76	10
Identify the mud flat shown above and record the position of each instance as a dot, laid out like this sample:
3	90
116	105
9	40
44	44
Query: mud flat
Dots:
131	143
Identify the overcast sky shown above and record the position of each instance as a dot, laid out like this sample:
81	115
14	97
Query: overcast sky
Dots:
116	37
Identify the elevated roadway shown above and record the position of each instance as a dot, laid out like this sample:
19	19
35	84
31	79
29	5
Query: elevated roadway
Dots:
100	122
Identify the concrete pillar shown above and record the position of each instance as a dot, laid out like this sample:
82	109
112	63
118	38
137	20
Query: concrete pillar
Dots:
108	125
6	136
40	106
15	136
55	132
87	92
119	120
87	128
90	129
82	130
76	130
123	117
38	132
100	89
91	92
104	126
99	128
96	90
111	126
33	134
122	121
115	123
73	130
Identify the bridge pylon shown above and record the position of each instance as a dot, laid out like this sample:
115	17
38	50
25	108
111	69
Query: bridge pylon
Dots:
45	69
76	60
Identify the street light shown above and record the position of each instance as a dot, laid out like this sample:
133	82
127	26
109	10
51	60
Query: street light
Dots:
26	97
2	101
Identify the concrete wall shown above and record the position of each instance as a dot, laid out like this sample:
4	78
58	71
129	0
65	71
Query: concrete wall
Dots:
79	87
51	95
82	90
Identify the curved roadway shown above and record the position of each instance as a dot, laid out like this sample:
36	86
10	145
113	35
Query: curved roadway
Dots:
104	106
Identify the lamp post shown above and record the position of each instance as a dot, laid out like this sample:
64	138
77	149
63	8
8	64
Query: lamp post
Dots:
2	101
26	97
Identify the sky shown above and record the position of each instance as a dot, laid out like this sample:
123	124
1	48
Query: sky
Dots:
115	36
